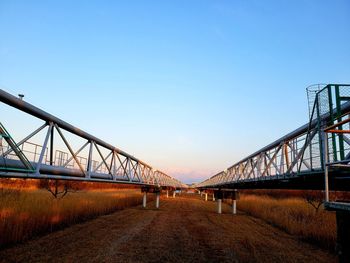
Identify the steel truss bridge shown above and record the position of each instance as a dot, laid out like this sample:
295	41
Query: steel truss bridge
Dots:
296	160
25	159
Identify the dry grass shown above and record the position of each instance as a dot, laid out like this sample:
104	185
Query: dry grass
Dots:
27	213
295	216
184	229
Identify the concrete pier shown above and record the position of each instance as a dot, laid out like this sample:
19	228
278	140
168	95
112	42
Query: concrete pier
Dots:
219	206
157	200
144	200
234	207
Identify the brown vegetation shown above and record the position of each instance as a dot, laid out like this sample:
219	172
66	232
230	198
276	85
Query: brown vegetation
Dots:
58	188
26	184
283	193
295	216
27	209
184	229
28	212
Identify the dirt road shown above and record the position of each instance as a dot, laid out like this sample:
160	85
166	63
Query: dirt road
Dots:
184	229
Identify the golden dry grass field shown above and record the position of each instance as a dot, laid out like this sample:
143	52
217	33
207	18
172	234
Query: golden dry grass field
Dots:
184	229
295	216
30	212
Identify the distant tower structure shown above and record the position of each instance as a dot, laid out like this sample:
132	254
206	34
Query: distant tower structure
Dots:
311	95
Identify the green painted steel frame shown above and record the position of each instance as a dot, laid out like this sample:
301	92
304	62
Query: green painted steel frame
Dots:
335	114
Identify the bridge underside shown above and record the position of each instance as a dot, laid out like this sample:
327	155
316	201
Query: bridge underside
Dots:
338	180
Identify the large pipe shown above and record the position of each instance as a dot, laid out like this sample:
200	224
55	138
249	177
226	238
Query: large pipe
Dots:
55	172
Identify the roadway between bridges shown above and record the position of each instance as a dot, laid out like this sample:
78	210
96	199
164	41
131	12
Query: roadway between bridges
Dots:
184	229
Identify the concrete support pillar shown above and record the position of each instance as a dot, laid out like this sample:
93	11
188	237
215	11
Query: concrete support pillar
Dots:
234	210
174	193
213	197
144	200
157	200
167	193
206	196
219	206
343	236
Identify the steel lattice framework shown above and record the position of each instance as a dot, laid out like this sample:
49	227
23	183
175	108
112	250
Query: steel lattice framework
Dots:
298	154
115	165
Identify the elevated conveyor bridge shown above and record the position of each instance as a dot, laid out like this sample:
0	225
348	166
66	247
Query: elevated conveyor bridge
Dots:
94	161
296	160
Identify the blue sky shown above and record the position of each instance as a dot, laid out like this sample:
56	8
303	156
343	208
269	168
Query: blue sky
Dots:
188	86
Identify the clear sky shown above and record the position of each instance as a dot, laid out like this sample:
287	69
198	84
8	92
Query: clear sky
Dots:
189	87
